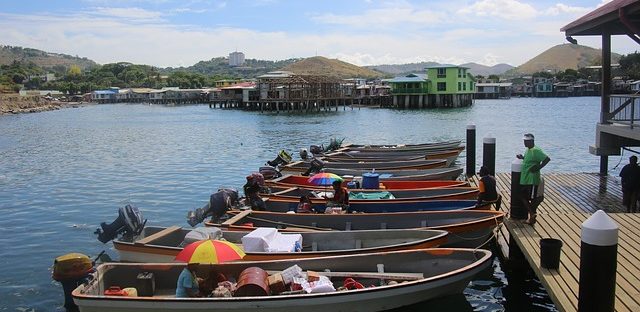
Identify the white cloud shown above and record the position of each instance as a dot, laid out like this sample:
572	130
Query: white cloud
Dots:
148	37
384	17
127	13
507	9
560	8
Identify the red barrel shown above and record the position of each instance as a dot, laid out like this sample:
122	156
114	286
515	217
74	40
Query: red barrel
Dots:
252	282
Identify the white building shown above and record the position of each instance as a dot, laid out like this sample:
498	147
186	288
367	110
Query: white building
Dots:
236	58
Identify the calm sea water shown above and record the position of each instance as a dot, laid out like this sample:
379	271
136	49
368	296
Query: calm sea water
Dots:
63	172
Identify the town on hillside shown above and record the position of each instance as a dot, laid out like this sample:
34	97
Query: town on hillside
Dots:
314	83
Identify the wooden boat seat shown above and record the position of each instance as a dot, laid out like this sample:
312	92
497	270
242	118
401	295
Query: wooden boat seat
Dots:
155	236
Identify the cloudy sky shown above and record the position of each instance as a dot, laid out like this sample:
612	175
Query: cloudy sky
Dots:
363	32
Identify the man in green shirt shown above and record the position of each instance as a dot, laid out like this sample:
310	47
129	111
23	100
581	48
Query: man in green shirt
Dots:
533	160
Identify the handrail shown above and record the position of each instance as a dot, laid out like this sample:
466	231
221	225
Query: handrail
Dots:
624	109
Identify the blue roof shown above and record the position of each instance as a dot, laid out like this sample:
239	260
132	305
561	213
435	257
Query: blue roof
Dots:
105	92
410	78
445	66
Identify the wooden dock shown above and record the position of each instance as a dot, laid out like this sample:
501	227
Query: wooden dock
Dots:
569	200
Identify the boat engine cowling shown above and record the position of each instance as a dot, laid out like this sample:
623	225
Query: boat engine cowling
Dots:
269	172
315	166
304	154
219	203
283	158
316	149
128	222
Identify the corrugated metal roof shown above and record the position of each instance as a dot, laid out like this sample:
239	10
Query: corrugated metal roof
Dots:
446	66
494	84
105	92
410	78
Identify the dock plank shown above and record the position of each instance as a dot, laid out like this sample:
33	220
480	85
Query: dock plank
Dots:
570	199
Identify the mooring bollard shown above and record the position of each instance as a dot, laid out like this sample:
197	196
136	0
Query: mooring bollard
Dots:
598	262
518	210
471	150
489	154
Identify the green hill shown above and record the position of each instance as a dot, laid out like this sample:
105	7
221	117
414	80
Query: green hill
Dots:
46	60
319	65
563	56
219	66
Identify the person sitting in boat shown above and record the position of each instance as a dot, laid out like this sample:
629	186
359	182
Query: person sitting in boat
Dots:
487	187
304	206
187	285
340	195
255	183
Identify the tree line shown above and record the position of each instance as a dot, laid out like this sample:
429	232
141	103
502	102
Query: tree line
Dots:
73	80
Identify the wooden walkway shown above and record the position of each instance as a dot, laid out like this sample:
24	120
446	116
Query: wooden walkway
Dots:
569	200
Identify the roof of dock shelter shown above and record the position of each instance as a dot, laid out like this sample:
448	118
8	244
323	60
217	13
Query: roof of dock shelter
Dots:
606	17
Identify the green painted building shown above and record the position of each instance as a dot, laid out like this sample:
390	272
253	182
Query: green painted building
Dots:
450	79
442	86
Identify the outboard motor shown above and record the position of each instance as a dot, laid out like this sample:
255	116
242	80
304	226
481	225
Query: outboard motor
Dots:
218	204
304	154
71	270
315	166
269	172
282	158
316	150
129	222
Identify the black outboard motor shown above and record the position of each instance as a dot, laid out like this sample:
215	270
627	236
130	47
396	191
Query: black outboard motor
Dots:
316	150
218	204
282	158
269	172
129	222
315	166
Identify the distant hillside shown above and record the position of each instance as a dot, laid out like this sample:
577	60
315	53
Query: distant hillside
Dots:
219	66
484	70
562	57
402	69
319	65
47	60
474	68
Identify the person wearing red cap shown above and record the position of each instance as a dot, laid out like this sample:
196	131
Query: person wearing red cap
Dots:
533	160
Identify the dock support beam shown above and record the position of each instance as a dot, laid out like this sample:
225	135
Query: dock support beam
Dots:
598	262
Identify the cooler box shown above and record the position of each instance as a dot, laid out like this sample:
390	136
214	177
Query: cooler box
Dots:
370	180
146	284
202	233
353	185
270	240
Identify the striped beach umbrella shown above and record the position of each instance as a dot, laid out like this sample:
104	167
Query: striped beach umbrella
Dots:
324	178
210	251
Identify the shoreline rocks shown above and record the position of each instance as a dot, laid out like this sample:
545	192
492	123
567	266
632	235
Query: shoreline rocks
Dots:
17	104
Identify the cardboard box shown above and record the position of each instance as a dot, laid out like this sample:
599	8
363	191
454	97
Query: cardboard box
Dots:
276	283
312	276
